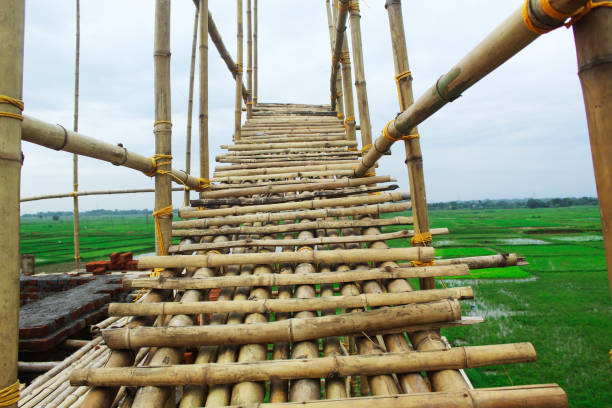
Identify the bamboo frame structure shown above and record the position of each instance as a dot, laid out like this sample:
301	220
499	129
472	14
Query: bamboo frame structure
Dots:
75	128
239	64
11	79
593	43
194	43
203	94
249	103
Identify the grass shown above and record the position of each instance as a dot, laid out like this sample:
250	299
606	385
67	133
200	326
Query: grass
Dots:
560	302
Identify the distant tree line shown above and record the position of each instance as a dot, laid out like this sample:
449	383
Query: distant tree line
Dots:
94	213
514	203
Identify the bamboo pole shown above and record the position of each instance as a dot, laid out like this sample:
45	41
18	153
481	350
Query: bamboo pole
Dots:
300	304
58	138
284	280
510	37
347	202
75	128
204	29
593	46
249	103
486	261
283	169
239	63
223	52
455	358
286	150
292	227
95	192
264	165
285	145
11	79
255	77
360	82
340	256
36	366
414	157
233	185
377	209
293	175
347	86
194	43
340	16
163	124
292	330
248	191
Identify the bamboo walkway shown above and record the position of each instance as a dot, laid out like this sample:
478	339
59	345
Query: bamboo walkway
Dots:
283	290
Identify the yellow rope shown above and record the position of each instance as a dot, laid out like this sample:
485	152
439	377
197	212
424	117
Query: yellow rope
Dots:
203	183
12	101
162	122
304	248
345	58
350	120
422	263
365	148
370	174
340	115
10	395
551	12
343	7
585	10
352	149
354	5
421	238
214	251
390	138
398	78
160	238
154	160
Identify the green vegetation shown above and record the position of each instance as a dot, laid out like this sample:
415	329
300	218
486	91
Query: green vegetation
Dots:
561	304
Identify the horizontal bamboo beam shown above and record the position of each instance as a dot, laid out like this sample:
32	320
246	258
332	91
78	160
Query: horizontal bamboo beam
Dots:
291	330
485	261
324	185
289	144
321	158
285	243
302	138
289	305
505	41
289	150
36	366
283	169
190	212
347	256
523	396
377	210
292	279
58	138
301	163
309	195
95	192
323	367
294	227
291	175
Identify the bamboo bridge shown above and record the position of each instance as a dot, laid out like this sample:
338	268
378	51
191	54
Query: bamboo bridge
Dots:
283	289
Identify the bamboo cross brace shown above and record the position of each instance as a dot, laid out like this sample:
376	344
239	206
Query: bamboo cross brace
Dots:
455	358
288	305
291	330
270	217
293	227
301	279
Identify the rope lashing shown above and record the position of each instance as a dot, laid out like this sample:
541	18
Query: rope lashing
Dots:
422	263
12	101
370	174
344	7
424	238
365	149
350	120
354	5
238	68
340	116
390	138
203	183
10	395
162	122
345	58
156	164
352	149
398	78
162	212
554	14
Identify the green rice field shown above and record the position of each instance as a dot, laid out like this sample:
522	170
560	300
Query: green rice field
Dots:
560	301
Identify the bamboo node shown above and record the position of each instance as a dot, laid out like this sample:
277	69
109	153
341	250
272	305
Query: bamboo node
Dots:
12	101
162	122
10	395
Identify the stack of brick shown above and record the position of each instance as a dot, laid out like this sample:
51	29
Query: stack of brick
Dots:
119	261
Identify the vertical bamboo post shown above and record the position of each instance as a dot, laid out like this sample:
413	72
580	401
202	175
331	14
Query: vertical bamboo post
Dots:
203	117
11	78
255	52
593	38
163	124
249	103
414	158
75	157
338	95
239	61
347	86
360	82
190	100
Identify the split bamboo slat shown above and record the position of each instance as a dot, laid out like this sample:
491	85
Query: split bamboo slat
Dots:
313	302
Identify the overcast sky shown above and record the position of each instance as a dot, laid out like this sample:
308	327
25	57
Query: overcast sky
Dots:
520	132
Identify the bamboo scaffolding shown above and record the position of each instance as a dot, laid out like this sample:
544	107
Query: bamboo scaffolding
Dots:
255	77
510	37
289	305
336	95
321	158
223	52
291	330
280	170
593	43
203	95
75	128
286	145
324	185
293	175
249	103
307	137
292	227
263	165
194	43
360	82
11	158
280	150
455	358
303	279
239	64
57	138
327	194
414	157
287	182
95	192
347	84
